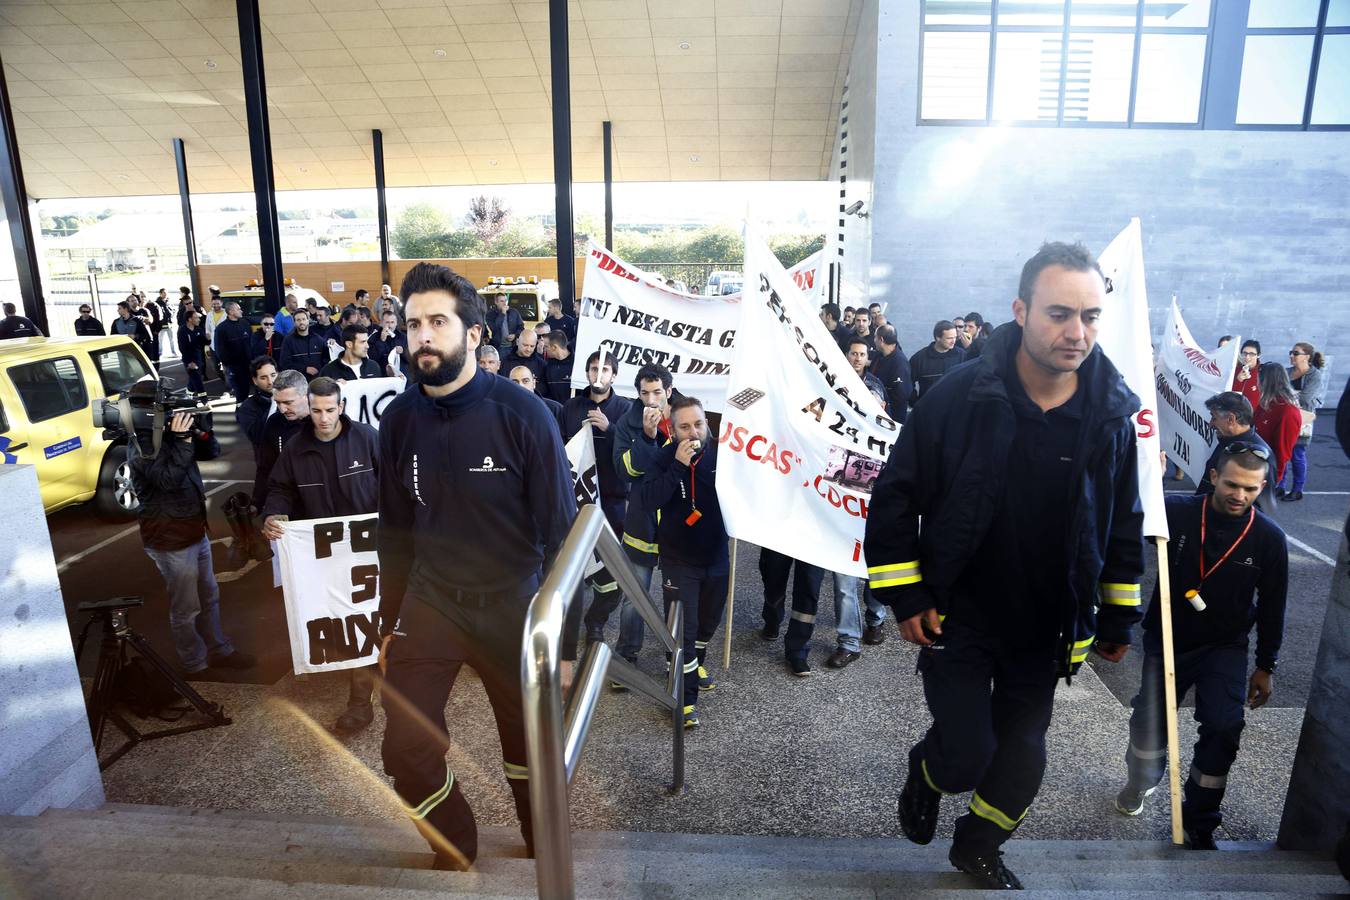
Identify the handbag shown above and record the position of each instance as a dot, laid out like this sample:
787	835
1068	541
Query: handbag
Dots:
1309	417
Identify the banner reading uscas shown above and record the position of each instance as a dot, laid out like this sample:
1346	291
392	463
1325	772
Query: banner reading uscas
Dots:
640	320
802	439
1124	337
1186	377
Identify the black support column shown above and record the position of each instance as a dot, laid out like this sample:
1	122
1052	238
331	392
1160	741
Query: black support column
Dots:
381	207
562	147
20	222
260	149
609	186
185	198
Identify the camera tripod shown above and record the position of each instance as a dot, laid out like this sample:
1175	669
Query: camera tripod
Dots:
117	637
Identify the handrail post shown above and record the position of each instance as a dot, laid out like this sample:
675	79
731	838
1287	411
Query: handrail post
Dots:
544	729
676	686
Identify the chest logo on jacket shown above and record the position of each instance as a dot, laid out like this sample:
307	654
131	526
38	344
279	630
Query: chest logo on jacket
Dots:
487	466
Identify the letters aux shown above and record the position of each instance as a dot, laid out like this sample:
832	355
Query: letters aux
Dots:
358	635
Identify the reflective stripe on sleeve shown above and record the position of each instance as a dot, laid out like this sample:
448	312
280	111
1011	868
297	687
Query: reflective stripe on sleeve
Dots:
893	575
1079	651
640	545
980	807
1121	595
628	464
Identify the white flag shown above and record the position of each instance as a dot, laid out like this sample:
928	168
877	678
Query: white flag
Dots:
803	439
1187	376
1124	337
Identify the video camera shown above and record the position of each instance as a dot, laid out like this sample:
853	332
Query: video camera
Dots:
147	407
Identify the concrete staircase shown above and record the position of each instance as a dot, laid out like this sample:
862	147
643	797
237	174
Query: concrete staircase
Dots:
166	853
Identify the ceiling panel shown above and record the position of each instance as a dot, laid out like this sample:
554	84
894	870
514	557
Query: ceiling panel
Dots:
697	90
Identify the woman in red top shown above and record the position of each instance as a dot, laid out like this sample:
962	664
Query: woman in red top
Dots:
1277	419
1245	380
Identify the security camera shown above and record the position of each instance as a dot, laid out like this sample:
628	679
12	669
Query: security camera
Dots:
855	209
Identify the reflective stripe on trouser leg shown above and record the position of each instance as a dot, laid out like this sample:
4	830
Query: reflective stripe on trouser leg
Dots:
420	811
701	652
1211	782
514	771
985	810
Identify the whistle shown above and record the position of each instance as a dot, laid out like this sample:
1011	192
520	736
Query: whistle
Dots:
1196	601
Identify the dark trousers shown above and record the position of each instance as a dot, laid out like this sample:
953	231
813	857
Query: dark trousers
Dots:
991	699
195	381
1219	675
240	382
703	592
607	595
421	668
806	582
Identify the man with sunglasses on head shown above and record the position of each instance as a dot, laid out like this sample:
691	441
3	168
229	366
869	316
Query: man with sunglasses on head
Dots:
1229	570
1231	416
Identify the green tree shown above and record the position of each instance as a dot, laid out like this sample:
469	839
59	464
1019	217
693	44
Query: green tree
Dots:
793	248
423	232
524	238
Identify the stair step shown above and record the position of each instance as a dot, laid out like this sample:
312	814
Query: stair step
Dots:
250	815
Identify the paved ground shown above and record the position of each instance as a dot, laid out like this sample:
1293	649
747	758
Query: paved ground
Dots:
776	754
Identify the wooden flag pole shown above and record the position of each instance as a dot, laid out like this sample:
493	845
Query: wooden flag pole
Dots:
731	605
1169	687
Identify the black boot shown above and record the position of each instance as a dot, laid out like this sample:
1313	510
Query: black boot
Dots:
360	712
237	517
987	868
919	803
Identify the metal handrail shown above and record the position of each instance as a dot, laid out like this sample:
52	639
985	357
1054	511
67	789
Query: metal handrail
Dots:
554	739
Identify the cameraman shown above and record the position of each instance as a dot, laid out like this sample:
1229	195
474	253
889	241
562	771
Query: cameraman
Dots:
174	532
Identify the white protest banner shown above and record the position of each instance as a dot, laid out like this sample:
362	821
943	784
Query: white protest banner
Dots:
1123	334
580	452
809	276
802	439
1186	377
367	397
329	577
641	321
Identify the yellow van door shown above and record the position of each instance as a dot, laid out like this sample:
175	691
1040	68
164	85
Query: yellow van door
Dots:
54	420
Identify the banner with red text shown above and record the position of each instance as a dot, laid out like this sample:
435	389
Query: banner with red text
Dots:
802	440
640	320
1124	336
1186	377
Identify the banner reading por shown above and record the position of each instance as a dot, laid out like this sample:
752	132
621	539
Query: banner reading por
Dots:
802	439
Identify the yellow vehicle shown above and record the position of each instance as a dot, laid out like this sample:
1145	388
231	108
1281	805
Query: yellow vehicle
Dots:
252	298
528	296
47	390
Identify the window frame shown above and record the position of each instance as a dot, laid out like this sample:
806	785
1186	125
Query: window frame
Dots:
1210	75
122	350
50	361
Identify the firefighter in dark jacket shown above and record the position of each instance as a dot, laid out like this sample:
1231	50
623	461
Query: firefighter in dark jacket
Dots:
266	341
290	392
192	346
329	468
354	363
638	438
1229	570
599	407
303	349
86	325
695	566
1023	468
476	498
253	412
892	370
233	344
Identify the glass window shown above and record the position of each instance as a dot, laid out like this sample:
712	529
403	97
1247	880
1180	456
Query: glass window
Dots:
1274	79
1026	76
1194	14
4	420
1171	69
955	75
1338	14
1031	12
1097	81
49	388
1101	12
1331	102
1283	13
119	368
955	12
